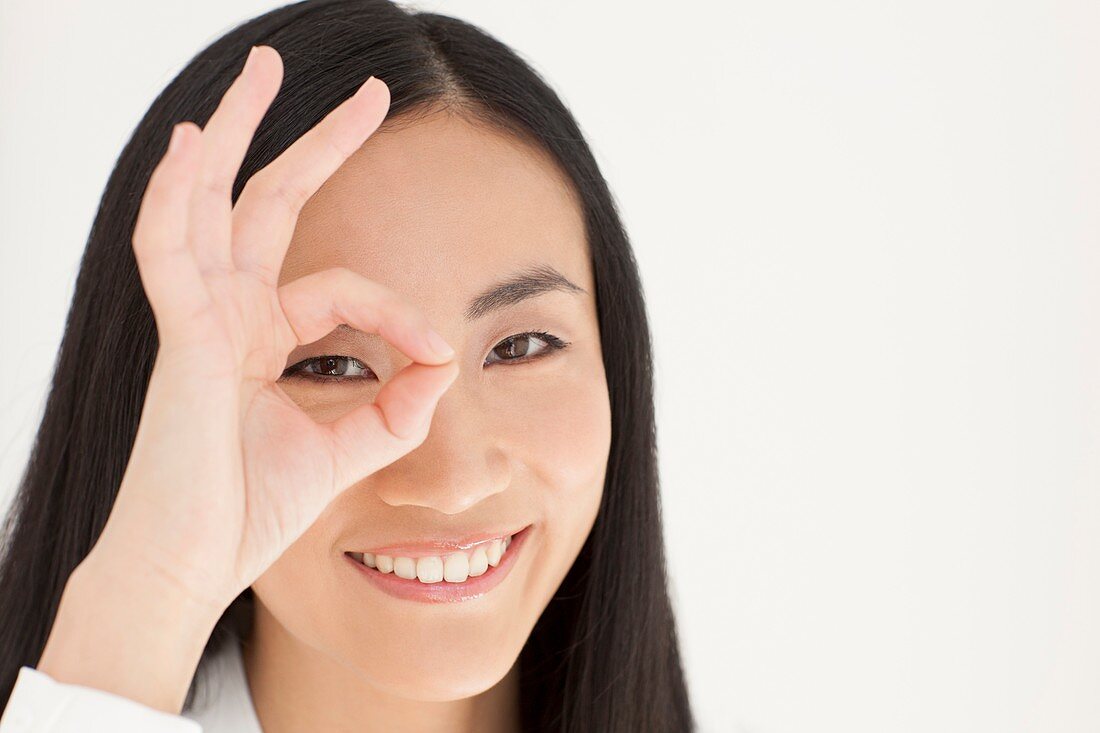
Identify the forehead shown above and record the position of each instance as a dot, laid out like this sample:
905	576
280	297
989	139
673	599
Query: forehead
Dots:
439	209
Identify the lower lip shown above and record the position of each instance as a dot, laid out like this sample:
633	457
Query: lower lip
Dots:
444	591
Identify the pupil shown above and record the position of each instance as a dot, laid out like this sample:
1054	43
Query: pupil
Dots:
328	365
512	346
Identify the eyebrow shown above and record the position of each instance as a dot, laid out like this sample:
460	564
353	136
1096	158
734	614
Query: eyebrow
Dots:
519	286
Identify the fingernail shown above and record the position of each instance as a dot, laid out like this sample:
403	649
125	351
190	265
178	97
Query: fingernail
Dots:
174	140
363	87
248	61
438	345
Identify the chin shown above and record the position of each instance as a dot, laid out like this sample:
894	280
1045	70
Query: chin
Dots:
438	672
427	651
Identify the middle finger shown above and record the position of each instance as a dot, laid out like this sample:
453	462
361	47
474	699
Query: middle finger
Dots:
267	210
226	138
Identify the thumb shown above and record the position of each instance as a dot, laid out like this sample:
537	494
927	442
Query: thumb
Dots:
376	434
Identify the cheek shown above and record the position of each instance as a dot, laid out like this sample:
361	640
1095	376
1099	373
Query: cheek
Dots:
566	434
297	587
562	437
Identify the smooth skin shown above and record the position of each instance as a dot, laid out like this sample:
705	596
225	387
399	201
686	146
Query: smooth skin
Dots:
227	471
441	210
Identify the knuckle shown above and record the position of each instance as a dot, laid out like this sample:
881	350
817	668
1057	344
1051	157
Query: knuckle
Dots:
334	147
337	280
264	272
216	187
287	193
342	275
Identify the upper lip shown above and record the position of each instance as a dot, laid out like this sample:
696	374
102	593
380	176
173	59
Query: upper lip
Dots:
439	545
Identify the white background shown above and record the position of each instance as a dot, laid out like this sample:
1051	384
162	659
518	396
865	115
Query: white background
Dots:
868	233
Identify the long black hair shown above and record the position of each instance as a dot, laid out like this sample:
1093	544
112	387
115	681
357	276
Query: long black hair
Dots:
604	655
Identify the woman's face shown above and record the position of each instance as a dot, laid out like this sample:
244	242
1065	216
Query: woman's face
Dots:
442	211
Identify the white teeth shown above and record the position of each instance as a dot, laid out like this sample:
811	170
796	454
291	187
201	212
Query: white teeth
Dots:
429	569
478	562
456	568
404	567
493	552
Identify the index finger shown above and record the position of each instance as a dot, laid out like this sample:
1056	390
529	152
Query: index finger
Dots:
316	303
267	209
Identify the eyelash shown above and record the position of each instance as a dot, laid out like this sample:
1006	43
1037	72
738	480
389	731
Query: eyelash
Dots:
297	371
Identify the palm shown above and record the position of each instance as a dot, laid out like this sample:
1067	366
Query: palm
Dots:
286	462
288	479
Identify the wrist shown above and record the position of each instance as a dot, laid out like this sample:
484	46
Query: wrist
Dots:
125	561
124	628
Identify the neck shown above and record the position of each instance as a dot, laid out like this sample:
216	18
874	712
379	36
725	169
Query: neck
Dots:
295	687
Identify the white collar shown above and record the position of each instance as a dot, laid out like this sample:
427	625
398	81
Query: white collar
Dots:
223	703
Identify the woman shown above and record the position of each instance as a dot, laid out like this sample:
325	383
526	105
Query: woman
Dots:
355	399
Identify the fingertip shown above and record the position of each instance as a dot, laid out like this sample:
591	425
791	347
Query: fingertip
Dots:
180	141
438	345
264	48
257	54
174	140
456	370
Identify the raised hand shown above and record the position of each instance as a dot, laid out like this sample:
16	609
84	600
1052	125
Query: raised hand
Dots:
227	471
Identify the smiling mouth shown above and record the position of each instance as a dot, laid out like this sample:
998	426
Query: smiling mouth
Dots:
453	567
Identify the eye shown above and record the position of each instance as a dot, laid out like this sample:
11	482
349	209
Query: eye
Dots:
522	347
328	368
521	344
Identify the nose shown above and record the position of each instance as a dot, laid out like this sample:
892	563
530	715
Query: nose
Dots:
459	464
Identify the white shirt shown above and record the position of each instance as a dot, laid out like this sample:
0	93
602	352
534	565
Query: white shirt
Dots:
41	704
